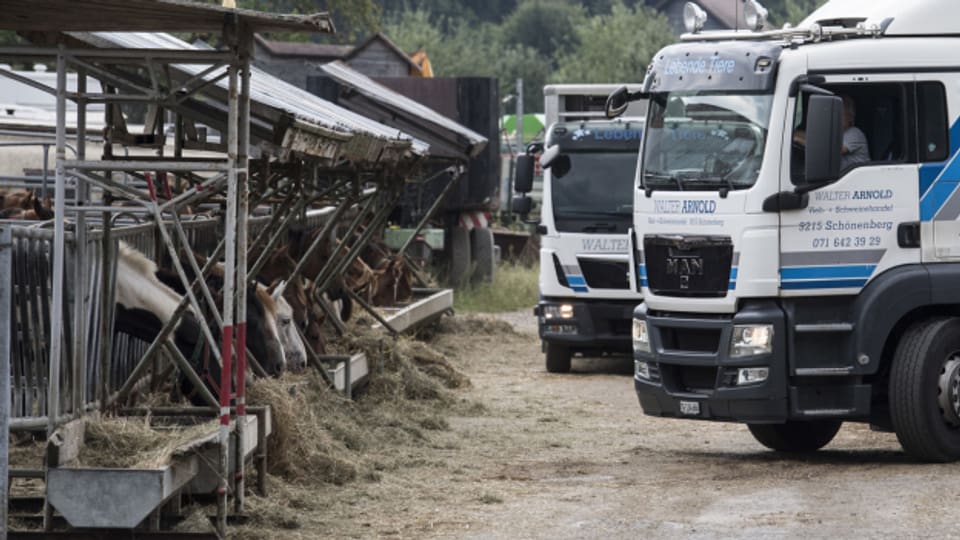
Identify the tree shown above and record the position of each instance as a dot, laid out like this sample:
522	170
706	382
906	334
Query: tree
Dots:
791	11
473	49
549	27
462	49
616	47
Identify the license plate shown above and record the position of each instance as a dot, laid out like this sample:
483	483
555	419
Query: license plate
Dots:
690	407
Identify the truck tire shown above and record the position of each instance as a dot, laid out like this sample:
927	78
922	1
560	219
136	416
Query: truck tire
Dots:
796	436
558	358
483	259
459	257
925	390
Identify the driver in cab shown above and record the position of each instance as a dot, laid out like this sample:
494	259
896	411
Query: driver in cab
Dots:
855	150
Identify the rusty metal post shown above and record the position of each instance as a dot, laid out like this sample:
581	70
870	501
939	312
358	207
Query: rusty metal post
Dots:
81	261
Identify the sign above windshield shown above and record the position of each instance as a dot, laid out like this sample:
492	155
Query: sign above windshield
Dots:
714	66
585	137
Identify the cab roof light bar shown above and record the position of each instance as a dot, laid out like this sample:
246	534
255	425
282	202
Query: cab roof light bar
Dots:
694	18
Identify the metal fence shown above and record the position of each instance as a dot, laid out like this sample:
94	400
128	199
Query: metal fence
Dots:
29	318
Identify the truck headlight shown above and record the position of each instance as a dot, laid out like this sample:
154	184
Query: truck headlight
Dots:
558	311
751	339
641	339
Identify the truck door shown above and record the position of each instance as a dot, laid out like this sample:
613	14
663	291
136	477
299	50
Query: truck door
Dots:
846	233
938	145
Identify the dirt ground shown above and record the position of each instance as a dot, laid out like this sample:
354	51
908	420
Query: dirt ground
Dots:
519	453
571	456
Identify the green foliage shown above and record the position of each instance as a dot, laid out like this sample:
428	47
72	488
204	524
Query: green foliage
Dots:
515	287
541	41
471	49
790	11
615	47
549	27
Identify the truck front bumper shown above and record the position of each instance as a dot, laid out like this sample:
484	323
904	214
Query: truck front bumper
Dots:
586	326
690	372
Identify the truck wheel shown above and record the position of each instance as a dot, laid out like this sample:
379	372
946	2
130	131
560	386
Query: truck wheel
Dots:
925	390
482	240
558	358
459	256
796	436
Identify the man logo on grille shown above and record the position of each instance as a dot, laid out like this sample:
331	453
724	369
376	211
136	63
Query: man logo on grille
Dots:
684	266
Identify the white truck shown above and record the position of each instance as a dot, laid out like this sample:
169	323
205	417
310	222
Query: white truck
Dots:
785	284
588	162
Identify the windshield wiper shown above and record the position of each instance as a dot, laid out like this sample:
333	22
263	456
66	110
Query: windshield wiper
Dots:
725	178
662	176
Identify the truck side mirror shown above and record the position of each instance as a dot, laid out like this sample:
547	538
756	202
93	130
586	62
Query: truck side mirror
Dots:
617	102
522	205
523	178
559	164
824	136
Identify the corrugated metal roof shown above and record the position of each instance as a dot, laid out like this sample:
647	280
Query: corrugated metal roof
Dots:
146	16
267	90
327	51
473	142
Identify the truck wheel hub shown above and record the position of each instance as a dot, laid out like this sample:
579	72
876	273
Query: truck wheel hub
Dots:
948	390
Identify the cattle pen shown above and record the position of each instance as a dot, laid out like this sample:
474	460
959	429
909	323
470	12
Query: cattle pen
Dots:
254	162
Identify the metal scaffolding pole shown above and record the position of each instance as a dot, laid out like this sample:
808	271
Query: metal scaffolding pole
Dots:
6	292
81	263
56	312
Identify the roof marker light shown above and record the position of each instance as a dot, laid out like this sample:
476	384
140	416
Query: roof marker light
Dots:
694	17
755	15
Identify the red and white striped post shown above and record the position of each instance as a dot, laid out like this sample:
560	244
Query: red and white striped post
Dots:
229	275
243	184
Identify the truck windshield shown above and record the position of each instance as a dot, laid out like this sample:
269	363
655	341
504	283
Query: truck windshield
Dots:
702	141
598	187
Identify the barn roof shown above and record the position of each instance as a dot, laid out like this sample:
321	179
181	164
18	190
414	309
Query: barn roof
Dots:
275	102
147	16
405	113
303	49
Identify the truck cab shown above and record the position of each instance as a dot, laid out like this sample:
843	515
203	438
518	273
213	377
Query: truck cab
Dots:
797	239
588	161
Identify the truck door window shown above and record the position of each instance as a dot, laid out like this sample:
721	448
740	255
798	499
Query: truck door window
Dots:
879	112
933	133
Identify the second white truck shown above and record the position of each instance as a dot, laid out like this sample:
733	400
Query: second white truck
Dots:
586	302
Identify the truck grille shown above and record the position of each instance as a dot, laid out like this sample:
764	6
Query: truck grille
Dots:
691	266
706	340
602	274
694	379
